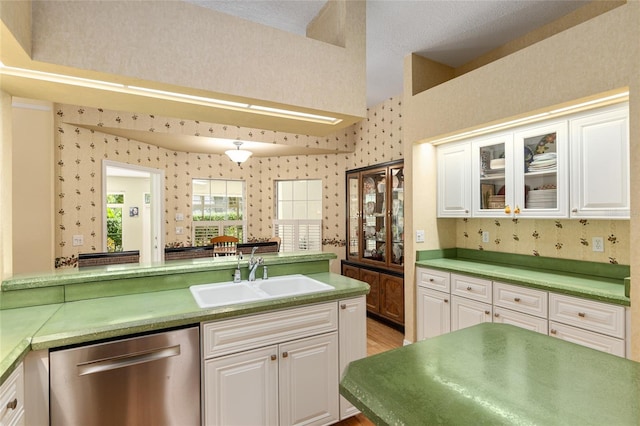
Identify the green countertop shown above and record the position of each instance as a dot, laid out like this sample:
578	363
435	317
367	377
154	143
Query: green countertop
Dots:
56	325
495	374
610	290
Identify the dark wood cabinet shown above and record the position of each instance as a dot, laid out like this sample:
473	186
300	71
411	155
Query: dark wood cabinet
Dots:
386	296
375	237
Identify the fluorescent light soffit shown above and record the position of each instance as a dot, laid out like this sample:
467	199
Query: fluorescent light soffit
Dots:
168	95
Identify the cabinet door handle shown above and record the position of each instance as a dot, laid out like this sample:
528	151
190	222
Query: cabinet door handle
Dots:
446	300
552	331
574	210
469	288
274	357
496	315
582	314
516	299
466	210
285	354
343	306
11	405
487	312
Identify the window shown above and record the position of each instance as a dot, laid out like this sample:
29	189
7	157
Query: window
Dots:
217	209
115	202
298	219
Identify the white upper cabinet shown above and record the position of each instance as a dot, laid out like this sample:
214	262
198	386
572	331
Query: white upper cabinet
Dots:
600	164
541	170
492	175
576	166
454	180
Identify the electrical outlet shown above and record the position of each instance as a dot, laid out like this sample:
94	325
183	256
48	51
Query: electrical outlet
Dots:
179	217
420	236
485	236
77	240
179	230
597	243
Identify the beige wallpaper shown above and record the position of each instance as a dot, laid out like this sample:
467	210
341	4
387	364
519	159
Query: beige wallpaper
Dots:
79	153
564	239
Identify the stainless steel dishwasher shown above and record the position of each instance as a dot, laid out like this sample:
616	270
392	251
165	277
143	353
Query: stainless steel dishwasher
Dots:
147	380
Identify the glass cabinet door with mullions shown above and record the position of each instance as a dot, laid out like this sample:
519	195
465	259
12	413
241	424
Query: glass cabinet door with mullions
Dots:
374	219
375	223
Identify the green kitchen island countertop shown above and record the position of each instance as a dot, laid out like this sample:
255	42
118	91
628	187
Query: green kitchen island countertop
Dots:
495	374
75	322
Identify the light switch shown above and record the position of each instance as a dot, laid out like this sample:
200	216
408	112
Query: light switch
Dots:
179	217
179	230
420	236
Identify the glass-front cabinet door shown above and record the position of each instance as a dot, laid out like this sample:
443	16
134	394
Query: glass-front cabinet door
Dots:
353	220
492	174
374	207
540	170
396	254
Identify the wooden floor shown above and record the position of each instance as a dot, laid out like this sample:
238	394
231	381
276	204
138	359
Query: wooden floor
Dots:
380	338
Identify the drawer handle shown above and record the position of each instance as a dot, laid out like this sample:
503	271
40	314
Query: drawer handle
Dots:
469	288
11	405
516	299
285	354
487	312
552	331
343	306
582	314
274	357
446	300
431	280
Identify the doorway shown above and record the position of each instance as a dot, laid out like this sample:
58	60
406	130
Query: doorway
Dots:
133	210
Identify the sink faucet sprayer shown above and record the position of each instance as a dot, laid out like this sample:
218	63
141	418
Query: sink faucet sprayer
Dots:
253	264
236	274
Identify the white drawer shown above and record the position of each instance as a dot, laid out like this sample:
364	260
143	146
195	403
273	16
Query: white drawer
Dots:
12	397
471	288
434	279
234	335
588	314
530	322
521	299
586	338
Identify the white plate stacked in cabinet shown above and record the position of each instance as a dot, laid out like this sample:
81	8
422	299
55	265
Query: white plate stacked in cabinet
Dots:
449	301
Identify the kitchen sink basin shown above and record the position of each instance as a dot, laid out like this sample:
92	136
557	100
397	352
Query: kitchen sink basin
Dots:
290	285
220	294
229	293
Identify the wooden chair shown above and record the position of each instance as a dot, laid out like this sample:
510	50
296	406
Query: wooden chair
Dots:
278	240
224	245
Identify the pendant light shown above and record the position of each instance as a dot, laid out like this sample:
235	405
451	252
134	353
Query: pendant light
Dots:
238	155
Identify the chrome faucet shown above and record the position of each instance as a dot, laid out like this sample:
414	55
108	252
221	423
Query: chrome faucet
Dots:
254	262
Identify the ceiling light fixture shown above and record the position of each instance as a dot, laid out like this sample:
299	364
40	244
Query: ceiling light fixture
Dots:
238	155
166	95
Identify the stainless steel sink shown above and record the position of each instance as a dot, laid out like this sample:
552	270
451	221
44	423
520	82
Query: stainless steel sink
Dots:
229	293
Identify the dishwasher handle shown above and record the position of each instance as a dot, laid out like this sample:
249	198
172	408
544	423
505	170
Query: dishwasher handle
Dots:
127	360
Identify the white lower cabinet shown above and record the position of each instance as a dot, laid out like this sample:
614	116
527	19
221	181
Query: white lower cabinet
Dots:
281	368
506	316
435	309
467	312
352	320
12	399
587	338
598	325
